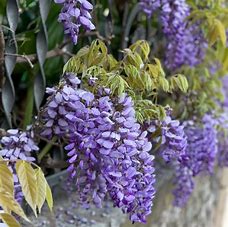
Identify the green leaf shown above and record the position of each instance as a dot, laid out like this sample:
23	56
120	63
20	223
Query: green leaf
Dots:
97	53
41	188
179	81
9	204
9	220
133	77
164	84
27	177
217	31
6	179
49	198
133	58
142	48
73	65
116	83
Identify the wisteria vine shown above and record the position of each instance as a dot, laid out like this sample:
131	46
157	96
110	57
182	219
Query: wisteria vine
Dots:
109	152
185	43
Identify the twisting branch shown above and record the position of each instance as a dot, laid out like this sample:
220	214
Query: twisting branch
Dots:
32	58
21	56
2	59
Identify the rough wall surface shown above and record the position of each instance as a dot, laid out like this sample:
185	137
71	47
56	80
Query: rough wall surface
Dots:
198	213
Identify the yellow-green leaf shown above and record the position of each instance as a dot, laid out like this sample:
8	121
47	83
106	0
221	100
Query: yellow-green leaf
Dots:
49	198
133	58
8	203
97	53
225	60
41	188
164	84
6	179
179	81
222	32
27	178
142	48
217	30
9	220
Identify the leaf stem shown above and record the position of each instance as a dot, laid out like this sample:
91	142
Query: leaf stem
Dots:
46	149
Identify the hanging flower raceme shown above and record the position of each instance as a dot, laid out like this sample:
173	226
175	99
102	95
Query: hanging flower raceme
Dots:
16	145
108	152
200	157
74	14
185	43
202	145
184	185
149	6
223	139
225	91
173	139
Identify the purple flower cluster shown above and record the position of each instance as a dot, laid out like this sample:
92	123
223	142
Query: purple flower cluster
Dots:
225	90
173	138
202	145
149	6
184	185
185	43
17	145
74	14
108	152
200	157
60	106
223	139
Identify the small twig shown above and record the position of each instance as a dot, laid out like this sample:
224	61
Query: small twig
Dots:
52	142
26	57
46	149
32	58
53	164
59	51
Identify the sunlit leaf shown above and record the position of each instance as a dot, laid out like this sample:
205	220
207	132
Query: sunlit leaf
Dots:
9	220
49	198
179	81
8	203
142	48
41	188
6	179
27	178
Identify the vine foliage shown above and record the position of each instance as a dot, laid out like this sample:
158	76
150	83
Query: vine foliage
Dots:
34	187
134	74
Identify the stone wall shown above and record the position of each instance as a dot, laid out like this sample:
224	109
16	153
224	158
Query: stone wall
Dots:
200	211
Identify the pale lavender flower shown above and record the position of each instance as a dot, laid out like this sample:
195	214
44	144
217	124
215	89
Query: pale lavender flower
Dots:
74	14
149	6
200	157
185	43
172	137
17	145
107	151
